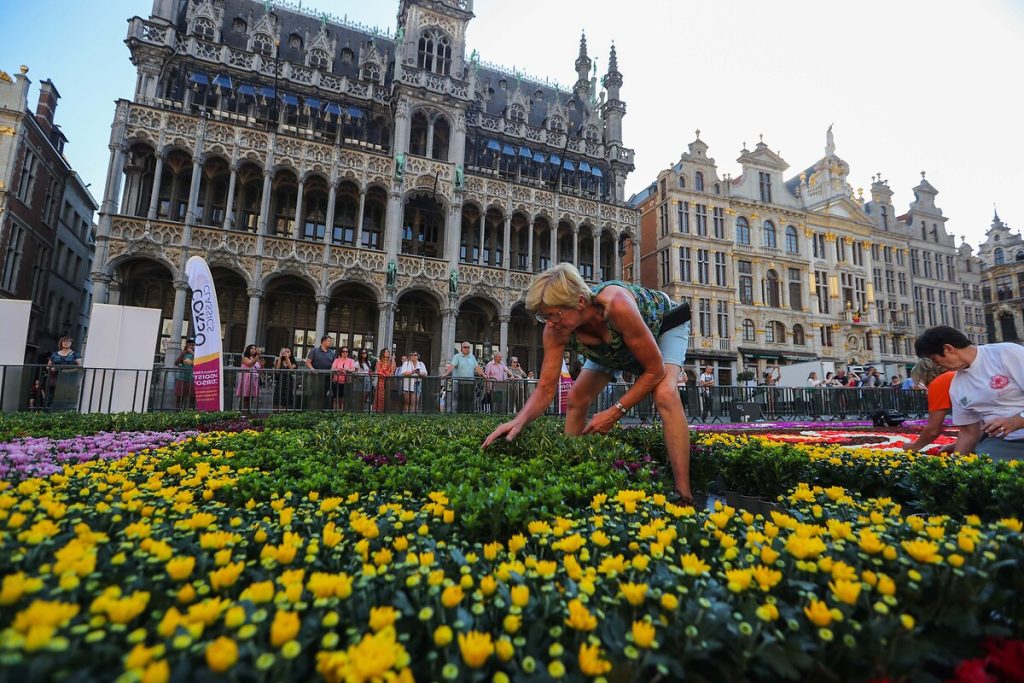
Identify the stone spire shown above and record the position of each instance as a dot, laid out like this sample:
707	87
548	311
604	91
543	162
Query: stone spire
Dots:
582	87
996	221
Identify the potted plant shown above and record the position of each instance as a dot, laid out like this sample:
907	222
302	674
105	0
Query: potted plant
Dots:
746	377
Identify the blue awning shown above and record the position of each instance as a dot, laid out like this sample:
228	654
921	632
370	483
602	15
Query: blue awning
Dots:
313	103
493	144
597	172
268	93
568	166
355	112
584	167
333	108
223	82
525	153
508	150
247	90
199	78
554	160
538	157
289	100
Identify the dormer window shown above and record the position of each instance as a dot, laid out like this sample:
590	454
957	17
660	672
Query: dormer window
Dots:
556	124
765	183
370	72
682	182
319	59
590	134
263	44
295	41
517	113
204	28
239	25
435	52
698	181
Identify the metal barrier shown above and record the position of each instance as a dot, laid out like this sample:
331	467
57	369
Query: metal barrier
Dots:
39	387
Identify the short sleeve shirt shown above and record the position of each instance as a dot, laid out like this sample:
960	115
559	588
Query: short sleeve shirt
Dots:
321	360
938	392
463	367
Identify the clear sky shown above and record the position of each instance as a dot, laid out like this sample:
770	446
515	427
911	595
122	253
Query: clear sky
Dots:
911	85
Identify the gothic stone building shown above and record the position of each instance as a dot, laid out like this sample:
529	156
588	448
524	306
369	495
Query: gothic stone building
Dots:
1002	287
786	270
386	190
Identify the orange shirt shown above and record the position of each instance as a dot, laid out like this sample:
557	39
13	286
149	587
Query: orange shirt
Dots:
938	392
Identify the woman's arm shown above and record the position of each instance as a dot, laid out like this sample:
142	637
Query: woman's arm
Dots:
931	430
544	392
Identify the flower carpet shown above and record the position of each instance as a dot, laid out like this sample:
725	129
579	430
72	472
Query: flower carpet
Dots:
389	549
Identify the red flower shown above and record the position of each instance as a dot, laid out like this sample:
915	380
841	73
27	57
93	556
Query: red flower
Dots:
1007	657
973	671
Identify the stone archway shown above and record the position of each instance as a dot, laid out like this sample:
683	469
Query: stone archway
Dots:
289	316
150	284
352	317
478	324
417	320
233	304
524	335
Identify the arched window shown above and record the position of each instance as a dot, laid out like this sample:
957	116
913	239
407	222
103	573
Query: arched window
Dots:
885	218
748	330
1019	256
435	52
770	239
204	28
798	335
319	59
682	182
997	255
771	289
792	240
698	181
742	231
370	72
263	44
517	113
775	333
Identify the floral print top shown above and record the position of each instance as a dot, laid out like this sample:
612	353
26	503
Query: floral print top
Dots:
653	305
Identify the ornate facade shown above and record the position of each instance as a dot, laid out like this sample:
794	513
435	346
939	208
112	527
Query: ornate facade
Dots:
783	271
1002	282
387	190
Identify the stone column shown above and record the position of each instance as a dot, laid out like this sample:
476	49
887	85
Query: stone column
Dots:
115	293
332	199
553	245
617	275
393	238
297	230
506	242
576	246
636	260
531	227
193	191
430	139
100	287
597	255
448	320
386	322
503	334
480	243
357	239
255	294
154	196
321	316
229	217
453	233
264	221
177	322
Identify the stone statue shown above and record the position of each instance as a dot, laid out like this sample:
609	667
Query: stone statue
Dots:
460	178
830	141
392	277
399	166
474	57
453	283
399	35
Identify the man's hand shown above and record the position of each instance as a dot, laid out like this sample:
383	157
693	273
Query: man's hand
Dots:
1002	426
603	421
510	430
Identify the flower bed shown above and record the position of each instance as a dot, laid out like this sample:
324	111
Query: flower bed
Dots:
41	456
357	548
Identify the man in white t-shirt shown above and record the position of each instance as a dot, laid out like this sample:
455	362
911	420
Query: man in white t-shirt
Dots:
412	370
987	391
704	385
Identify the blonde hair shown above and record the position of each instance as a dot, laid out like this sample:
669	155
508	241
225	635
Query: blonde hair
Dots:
926	371
560	286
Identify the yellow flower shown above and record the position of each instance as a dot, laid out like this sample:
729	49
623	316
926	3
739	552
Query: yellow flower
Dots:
922	550
739	579
766	577
235	617
520	595
516	543
669	602
226	576
804	548
382	617
488	585
885	585
633	592
590	661
443	635
965	542
767	612
157	672
452	596
600	538
845	591
259	592
504	649
580	617
285	627
870	543
907	621
546	568
643	633
818	613
511	623
693	565
1011	523
475	647
221	654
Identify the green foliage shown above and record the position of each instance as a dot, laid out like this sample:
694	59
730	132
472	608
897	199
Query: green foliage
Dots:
68	425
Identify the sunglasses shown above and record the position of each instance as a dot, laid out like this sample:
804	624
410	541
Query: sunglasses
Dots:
551	317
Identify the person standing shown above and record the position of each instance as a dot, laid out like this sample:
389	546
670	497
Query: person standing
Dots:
704	385
987	391
342	367
284	380
321	358
463	369
60	374
495	371
365	382
413	371
248	387
184	388
385	369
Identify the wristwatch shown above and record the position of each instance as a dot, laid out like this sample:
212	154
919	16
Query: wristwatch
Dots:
622	409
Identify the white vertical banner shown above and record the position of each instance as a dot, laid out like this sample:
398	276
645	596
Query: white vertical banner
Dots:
208	367
13	334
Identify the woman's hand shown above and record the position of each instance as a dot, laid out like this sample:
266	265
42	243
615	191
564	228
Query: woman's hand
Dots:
510	430
603	421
